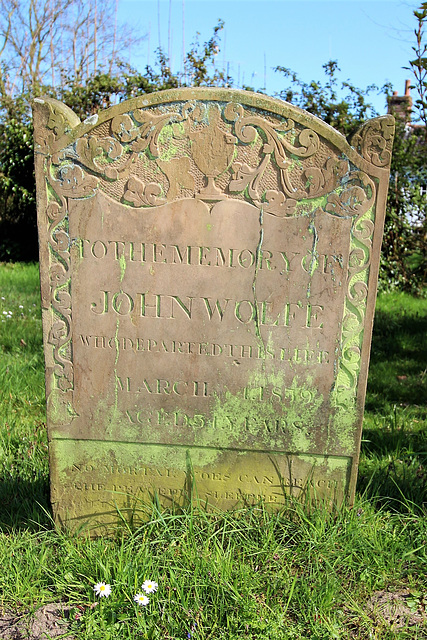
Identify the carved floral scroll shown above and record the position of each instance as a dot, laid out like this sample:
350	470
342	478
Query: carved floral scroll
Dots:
146	153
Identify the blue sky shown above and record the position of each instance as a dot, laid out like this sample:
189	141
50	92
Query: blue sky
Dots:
371	40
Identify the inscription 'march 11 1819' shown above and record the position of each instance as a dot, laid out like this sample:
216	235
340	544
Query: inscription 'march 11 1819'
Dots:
209	261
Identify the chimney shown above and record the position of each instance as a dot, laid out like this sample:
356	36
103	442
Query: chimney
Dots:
401	106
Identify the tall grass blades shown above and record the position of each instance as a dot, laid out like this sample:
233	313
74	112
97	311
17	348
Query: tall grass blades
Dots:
354	573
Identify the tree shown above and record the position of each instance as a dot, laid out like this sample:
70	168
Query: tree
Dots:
404	256
200	58
83	86
345	113
45	47
18	228
45	43
418	66
103	89
403	260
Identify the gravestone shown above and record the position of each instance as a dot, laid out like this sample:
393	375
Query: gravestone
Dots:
209	263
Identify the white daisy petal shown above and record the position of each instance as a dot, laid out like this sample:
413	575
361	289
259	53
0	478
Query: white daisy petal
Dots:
141	599
149	586
102	590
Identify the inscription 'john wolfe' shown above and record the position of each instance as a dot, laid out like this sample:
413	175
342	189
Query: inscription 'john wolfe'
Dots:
170	307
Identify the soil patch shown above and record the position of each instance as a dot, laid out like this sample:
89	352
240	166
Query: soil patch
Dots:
50	621
396	609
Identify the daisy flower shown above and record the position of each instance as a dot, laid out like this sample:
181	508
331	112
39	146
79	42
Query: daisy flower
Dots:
102	590
141	599
149	586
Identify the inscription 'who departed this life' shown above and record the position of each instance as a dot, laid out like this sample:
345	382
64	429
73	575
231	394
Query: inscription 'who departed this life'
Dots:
208	266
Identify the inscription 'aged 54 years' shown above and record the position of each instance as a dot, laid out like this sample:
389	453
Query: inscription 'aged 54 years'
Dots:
208	262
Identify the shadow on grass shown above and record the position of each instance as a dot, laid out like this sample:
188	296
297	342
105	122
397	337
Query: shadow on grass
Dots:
393	467
393	470
24	504
398	367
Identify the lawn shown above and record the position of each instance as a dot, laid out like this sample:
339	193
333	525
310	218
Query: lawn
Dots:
357	572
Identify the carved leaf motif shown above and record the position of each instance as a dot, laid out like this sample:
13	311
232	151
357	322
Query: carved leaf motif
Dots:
364	230
246	130
355	199
278	205
140	194
247	127
44	140
250	177
121	171
358	292
124	129
309	141
334	170
315	180
375	149
64	299
60	241
56	122
140	144
244	175
151	128
374	140
356	258
321	180
90	148
65	382
347	203
74	182
57	332
70	180
54	212
152	190
58	274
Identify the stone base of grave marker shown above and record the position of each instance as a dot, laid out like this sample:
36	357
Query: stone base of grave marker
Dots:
209	261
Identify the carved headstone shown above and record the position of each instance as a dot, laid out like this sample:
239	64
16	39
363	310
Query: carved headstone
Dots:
209	262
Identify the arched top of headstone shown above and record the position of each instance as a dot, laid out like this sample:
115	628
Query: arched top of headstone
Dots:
210	144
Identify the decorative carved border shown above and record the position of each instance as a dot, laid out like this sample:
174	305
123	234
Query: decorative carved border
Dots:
292	154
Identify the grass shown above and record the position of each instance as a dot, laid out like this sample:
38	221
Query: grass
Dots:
250	574
394	449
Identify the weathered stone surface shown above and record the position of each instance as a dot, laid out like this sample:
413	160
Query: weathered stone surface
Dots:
209	262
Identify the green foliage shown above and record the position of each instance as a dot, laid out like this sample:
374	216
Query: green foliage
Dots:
418	66
18	228
322	99
393	467
99	92
251	574
18	224
200	58
337	102
103	90
403	258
